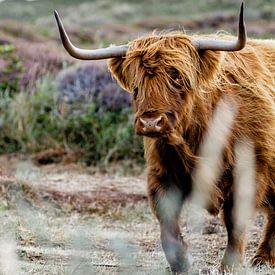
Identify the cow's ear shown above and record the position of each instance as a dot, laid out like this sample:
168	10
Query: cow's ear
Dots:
116	65
209	62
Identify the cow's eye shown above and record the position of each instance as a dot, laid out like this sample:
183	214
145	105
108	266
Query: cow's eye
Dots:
135	93
174	73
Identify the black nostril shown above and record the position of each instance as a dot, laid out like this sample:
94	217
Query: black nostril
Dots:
159	121
171	117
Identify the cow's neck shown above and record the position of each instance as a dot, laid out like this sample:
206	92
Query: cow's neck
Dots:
192	132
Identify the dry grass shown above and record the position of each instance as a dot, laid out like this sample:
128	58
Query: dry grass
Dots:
51	237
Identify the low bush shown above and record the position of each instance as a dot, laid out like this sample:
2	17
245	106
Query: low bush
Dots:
22	63
39	121
10	68
92	83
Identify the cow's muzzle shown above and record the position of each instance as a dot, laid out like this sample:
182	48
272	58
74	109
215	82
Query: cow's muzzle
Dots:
154	124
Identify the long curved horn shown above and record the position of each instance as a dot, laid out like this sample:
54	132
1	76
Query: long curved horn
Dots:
112	51
224	45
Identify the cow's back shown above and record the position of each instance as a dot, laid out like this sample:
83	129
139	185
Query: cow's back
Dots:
266	51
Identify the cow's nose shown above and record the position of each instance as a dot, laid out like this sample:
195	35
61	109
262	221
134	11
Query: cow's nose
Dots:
151	123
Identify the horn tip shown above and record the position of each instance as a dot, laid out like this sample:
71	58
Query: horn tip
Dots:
242	7
58	20
242	11
56	15
241	20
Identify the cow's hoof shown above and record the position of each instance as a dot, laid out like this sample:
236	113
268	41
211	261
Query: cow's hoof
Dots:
181	269
231	263
229	269
181	265
263	260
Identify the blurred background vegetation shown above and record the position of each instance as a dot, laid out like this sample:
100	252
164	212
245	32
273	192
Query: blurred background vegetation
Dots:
55	108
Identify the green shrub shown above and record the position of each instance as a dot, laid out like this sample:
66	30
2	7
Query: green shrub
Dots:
107	136
10	69
21	114
36	122
8	140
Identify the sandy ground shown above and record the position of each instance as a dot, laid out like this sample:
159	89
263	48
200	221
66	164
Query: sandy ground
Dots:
63	220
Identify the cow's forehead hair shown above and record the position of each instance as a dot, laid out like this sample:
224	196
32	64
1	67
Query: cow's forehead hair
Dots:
155	55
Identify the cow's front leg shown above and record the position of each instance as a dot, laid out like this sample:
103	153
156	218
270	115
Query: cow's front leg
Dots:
234	253
166	203
174	247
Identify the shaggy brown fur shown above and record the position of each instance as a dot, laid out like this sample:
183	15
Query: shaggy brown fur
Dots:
169	76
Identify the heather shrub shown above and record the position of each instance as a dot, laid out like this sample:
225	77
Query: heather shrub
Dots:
23	63
93	101
38	121
92	83
38	59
